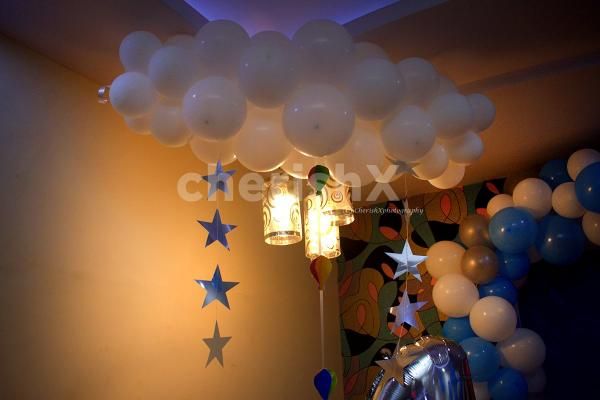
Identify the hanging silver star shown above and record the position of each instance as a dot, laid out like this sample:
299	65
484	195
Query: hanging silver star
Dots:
215	345
216	289
218	179
407	262
406	311
217	230
394	367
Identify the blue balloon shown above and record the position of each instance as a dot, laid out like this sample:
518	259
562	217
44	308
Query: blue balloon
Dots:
554	173
560	240
513	266
483	357
501	287
458	329
508	384
513	230
587	187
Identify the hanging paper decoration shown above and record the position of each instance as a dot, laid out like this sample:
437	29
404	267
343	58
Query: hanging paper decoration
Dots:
407	262
218	179
317	177
217	230
216	289
320	268
406	312
325	382
216	344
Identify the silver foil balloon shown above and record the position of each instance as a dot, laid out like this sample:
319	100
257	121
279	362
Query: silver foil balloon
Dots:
431	369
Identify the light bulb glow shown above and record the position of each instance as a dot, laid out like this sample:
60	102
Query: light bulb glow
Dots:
281	211
322	235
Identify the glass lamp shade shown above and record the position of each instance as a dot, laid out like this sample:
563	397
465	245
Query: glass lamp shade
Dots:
322	235
338	202
281	211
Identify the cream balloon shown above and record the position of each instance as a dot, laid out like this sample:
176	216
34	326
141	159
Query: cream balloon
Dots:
536	381
172	70
581	159
499	202
444	258
261	146
455	295
357	162
318	120
591	227
298	165
132	94
219	45
139	124
524	351
484	111
450	178
465	149
481	391
451	114
214	108
534	195
136	49
433	164
184	41
446	86
366	50
168	128
211	152
493	318
421	78
564	201
408	135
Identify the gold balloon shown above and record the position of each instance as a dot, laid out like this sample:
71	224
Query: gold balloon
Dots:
473	231
479	264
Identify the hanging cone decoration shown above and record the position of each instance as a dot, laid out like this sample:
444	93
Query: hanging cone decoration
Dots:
325	382
317	177
320	268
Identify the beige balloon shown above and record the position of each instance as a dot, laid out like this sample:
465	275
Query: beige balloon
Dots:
591	227
564	201
454	295
493	319
473	231
444	258
499	202
479	264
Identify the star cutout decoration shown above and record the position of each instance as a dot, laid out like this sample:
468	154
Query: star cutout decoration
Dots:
406	311
407	262
218	180
394	367
216	289
217	230
215	345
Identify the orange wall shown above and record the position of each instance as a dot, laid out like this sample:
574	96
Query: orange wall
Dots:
98	259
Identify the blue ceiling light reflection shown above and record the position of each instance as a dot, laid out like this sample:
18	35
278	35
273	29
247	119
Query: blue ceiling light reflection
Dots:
285	16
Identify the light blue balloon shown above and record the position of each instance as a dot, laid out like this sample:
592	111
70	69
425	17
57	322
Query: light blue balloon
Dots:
513	230
483	357
500	287
560	240
458	329
587	187
508	384
513	265
554	173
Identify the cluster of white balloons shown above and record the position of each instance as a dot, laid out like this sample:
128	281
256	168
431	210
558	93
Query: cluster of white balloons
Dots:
318	98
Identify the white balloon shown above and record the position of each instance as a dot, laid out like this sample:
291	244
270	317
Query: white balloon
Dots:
524	351
433	164
366	50
421	78
534	195
350	165
450	178
579	160
443	258
136	49
408	135
173	70
455	295
139	124
446	86
211	152
325	48
536	381
168	128
214	108
318	120
132	94
591	227
375	86
298	165
268	69
493	319
481	391
564	201
499	202
465	149
484	111
451	114
219	45
184	41
261	145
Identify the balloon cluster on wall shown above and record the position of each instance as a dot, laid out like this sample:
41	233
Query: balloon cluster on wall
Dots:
318	98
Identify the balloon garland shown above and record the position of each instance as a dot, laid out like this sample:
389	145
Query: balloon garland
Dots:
318	98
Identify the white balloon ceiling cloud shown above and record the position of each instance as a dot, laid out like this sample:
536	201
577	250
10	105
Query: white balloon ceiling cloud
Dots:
318	98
